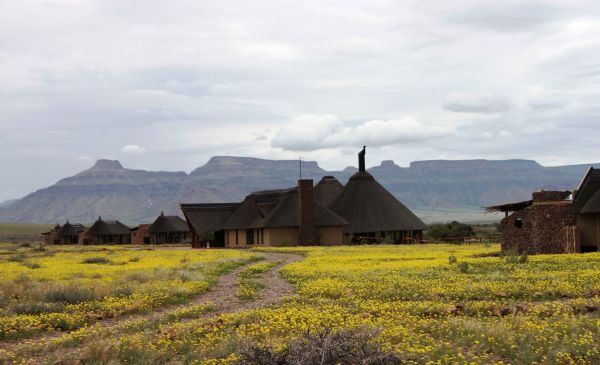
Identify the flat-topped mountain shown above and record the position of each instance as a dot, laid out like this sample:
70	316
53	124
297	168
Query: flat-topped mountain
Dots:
436	190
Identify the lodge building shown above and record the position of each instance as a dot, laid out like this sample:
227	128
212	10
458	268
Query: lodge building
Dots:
326	214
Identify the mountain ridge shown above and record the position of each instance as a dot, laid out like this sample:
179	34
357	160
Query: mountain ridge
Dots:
437	190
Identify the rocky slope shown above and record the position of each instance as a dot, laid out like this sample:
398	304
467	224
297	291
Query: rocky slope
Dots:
436	190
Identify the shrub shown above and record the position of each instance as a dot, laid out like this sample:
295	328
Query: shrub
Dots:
96	260
463	267
134	259
37	308
69	294
17	258
523	258
31	265
39	248
327	347
452	259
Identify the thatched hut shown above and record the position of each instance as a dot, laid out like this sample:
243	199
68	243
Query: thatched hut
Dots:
69	233
373	213
106	232
168	229
66	234
51	237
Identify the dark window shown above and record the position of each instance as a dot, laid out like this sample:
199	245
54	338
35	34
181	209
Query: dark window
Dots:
519	223
249	236
262	236
237	237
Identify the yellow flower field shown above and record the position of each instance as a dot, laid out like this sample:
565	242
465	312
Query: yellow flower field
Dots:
415	304
64	288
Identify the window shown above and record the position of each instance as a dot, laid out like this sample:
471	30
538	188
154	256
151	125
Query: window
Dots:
519	223
249	236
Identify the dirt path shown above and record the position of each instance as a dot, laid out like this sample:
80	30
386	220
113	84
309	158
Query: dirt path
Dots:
222	296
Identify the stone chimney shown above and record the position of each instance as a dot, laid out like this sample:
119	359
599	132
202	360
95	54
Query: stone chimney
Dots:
545	196
361	159
307	234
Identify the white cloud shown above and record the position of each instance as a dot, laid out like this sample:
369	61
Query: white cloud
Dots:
194	79
133	149
315	132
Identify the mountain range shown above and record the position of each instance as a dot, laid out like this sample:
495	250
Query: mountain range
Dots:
436	190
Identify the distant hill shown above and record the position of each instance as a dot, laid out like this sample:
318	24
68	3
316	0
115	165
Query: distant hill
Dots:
437	190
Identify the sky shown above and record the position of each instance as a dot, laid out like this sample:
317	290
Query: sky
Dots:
165	85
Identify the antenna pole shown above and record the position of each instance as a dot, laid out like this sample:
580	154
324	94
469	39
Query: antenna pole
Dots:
300	164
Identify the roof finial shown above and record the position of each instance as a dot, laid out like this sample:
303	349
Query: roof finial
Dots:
162	213
99	218
361	159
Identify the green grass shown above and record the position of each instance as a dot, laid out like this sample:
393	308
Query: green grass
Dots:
23	228
23	233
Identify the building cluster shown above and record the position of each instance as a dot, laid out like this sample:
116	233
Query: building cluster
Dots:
165	229
362	211
554	221
328	213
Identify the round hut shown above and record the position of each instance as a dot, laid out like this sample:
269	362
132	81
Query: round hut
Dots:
374	215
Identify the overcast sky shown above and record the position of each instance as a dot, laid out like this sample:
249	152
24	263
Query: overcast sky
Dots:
165	85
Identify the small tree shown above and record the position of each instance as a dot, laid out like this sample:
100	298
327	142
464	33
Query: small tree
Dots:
449	231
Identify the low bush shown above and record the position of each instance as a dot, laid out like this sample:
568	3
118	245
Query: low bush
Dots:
69	294
37	308
347	347
96	260
17	258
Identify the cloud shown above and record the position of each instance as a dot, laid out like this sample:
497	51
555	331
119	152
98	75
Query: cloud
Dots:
476	103
315	132
133	149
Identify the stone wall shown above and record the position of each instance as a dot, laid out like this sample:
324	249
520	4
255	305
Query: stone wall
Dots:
541	228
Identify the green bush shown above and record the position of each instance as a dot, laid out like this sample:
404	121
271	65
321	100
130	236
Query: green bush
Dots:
463	267
452	259
449	231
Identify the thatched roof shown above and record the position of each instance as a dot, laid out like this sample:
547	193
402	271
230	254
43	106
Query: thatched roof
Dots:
107	228
277	208
71	229
167	224
510	207
587	197
369	207
208	217
327	189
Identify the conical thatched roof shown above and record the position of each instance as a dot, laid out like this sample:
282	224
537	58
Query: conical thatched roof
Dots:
168	224
369	207
70	229
107	228
327	190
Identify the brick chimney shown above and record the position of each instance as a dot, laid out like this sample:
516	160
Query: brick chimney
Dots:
307	234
